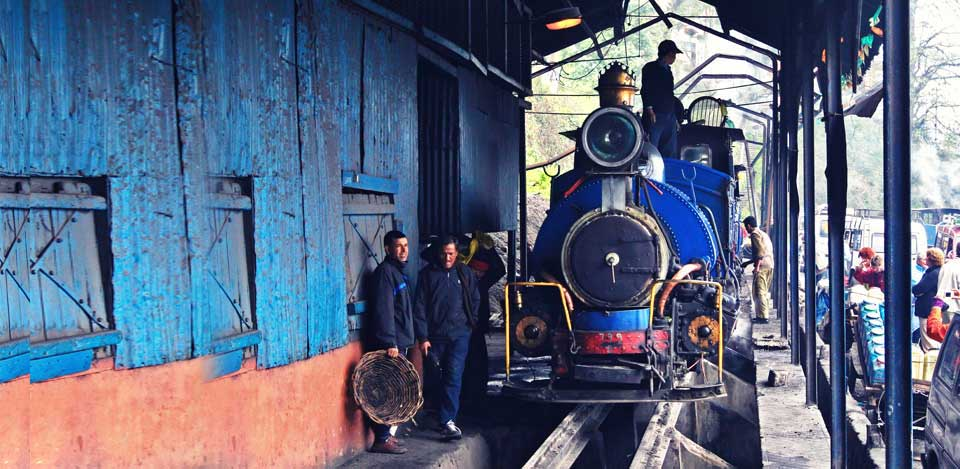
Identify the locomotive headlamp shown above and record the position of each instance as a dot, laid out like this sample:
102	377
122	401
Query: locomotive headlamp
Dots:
611	137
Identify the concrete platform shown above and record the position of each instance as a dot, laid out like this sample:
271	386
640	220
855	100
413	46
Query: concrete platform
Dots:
792	434
426	449
498	432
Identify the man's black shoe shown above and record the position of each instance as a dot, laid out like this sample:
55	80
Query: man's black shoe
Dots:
760	320
388	447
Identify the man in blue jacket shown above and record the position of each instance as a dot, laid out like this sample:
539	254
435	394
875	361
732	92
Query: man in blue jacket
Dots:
391	327
445	313
660	109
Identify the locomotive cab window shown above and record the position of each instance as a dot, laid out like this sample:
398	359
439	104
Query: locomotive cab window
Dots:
700	153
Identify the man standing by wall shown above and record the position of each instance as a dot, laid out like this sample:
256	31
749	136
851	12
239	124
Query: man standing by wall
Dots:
762	261
391	327
445	313
659	105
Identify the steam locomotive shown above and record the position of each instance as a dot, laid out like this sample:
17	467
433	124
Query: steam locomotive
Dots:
636	291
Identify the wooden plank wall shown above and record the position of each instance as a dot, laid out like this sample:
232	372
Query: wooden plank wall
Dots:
390	121
489	140
329	135
156	98
13	79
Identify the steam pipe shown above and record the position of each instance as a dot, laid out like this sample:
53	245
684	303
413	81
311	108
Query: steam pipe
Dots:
681	274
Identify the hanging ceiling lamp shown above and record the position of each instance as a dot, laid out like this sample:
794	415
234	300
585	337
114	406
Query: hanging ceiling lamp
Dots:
562	18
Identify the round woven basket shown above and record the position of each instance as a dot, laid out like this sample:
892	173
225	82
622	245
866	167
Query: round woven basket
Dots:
387	389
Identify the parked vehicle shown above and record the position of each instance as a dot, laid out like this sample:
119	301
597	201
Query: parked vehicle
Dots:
866	229
931	217
948	237
942	447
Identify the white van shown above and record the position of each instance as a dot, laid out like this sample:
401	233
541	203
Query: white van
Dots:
868	231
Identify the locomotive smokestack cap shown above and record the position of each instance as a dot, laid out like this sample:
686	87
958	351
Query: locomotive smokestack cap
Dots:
616	86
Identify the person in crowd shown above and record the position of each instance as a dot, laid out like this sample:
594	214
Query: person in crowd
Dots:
391	327
870	271
445	314
918	269
936	324
488	266
762	260
660	111
864	256
949	280
925	290
915	275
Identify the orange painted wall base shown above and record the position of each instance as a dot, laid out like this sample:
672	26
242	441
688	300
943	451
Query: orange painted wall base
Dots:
14	423
293	416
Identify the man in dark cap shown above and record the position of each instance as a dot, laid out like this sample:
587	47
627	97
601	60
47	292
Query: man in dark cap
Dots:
659	105
445	313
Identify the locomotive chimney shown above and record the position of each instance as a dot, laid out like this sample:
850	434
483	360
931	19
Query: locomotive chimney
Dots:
616	86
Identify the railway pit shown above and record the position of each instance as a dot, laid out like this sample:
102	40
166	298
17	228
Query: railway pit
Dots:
506	432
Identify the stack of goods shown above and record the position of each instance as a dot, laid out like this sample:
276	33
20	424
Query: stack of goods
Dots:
871	341
923	363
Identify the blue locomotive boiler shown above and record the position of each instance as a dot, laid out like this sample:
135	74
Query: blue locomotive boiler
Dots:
635	277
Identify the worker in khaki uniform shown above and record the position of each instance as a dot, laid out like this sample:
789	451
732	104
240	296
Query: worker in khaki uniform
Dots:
762	261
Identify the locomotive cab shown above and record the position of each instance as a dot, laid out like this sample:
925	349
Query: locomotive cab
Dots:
634	290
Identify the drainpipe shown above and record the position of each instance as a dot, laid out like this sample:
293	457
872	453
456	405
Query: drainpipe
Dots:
794	251
809	235
896	221
837	195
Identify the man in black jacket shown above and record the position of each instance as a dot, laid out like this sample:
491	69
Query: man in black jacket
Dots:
659	105
391	327
445	313
489	268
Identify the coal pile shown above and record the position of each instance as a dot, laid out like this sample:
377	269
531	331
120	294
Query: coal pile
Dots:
536	212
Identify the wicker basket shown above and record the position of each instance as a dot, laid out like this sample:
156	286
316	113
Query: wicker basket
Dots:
387	389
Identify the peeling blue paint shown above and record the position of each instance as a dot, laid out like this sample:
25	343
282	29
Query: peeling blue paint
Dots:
150	270
390	120
101	89
329	121
13	86
157	99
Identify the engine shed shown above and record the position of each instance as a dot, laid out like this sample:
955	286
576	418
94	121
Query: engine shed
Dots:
192	192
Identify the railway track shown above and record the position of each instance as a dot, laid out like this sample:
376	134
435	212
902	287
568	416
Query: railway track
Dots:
661	444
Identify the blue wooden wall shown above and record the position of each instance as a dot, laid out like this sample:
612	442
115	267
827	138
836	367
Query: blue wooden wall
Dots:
13	85
329	96
390	120
489	148
158	98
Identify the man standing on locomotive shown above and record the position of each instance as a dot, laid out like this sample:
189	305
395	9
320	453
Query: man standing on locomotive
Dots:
391	328
660	111
445	314
762	260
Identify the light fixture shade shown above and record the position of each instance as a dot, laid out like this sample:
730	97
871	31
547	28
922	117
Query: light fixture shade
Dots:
562	18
